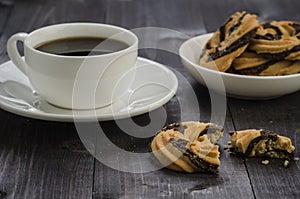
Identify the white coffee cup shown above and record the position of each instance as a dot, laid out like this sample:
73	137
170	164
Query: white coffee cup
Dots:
76	82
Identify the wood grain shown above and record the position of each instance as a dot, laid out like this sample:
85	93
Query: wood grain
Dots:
215	13
41	159
232	180
272	180
5	8
30	15
274	10
111	183
280	115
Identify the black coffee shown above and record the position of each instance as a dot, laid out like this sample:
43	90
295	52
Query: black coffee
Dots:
82	46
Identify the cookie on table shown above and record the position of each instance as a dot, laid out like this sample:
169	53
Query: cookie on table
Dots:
277	40
192	130
229	41
188	147
250	63
261	143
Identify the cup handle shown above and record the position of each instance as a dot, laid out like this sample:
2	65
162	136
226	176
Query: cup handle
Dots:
13	52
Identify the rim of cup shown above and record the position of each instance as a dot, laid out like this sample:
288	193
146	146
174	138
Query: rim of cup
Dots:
122	30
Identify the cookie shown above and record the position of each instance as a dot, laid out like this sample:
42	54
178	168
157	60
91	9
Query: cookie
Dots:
250	63
229	41
188	147
192	130
261	143
277	40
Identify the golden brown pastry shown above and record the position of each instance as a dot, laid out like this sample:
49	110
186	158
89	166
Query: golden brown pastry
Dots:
243	46
250	63
261	143
188	147
277	40
192	130
229	41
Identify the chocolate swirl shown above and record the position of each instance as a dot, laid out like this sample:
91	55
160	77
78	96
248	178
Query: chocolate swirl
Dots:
243	46
261	143
188	146
229	41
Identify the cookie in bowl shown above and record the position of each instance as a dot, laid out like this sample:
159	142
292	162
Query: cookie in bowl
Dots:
188	147
277	40
229	41
244	46
248	73
251	63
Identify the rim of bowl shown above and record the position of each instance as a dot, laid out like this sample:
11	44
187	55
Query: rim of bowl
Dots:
224	73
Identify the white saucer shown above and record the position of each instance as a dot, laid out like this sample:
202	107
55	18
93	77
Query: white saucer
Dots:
153	86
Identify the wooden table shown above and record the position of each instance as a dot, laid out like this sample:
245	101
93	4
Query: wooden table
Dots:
41	159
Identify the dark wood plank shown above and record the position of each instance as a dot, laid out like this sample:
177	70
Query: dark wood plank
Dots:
231	182
215	12
168	25
5	8
112	183
30	15
15	23
180	16
282	116
274	10
121	12
44	159
160	27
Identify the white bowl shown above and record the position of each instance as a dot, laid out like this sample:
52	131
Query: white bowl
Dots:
237	86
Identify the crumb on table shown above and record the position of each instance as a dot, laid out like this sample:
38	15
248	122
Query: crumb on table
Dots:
286	163
265	162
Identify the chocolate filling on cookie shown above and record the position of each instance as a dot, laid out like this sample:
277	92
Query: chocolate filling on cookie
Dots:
257	69
281	55
262	143
239	22
264	134
176	127
211	128
269	25
214	131
229	41
222	35
296	27
275	47
268	36
236	45
284	35
181	145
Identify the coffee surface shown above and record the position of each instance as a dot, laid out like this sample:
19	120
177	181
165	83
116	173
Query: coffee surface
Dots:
82	46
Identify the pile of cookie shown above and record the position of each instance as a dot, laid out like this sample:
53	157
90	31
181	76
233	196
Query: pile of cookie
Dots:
244	46
192	146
